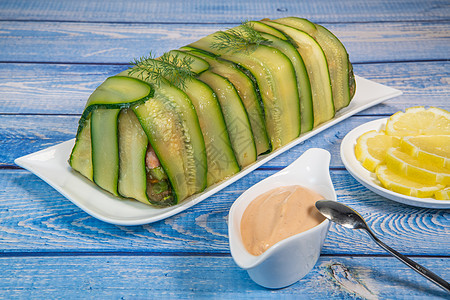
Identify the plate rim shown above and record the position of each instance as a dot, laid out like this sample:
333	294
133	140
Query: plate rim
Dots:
355	168
368	99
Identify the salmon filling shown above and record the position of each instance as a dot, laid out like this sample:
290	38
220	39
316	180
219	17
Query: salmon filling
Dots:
158	185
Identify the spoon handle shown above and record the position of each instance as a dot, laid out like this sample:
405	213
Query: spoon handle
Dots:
413	265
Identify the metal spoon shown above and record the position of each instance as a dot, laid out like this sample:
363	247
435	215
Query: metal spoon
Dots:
349	218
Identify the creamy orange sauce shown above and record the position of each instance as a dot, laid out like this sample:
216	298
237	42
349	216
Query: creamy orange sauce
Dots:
277	215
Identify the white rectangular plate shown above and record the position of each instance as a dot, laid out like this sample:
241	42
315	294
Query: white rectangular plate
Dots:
51	166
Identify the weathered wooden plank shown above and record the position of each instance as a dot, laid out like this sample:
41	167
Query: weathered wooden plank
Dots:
37	219
120	43
64	88
218	11
187	277
422	84
50	88
24	134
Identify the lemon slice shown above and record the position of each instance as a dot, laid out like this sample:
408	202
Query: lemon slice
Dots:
434	149
371	147
405	186
419	121
443	194
416	170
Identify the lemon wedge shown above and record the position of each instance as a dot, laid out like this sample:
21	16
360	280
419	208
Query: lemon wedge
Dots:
433	149
416	170
443	194
419	121
405	186
371	147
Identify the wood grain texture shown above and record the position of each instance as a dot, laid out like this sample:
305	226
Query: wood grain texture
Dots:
422	84
50	88
191	277
24	134
33	132
120	43
64	88
215	11
37	219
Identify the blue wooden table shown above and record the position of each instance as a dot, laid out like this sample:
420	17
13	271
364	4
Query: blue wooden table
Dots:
54	53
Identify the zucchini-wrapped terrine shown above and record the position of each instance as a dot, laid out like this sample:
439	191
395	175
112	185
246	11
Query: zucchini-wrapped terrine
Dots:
171	126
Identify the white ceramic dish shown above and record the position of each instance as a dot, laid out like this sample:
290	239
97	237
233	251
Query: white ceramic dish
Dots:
368	179
51	166
291	259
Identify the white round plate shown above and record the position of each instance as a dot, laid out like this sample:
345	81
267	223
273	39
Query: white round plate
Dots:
368	179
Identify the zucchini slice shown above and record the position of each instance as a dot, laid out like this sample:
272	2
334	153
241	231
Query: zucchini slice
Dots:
116	92
136	179
337	57
236	119
277	84
197	65
170	121
247	90
132	181
304	88
81	156
317	67
221	161
105	150
261	27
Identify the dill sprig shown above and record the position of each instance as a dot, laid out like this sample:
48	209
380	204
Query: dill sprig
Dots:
242	38
169	66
